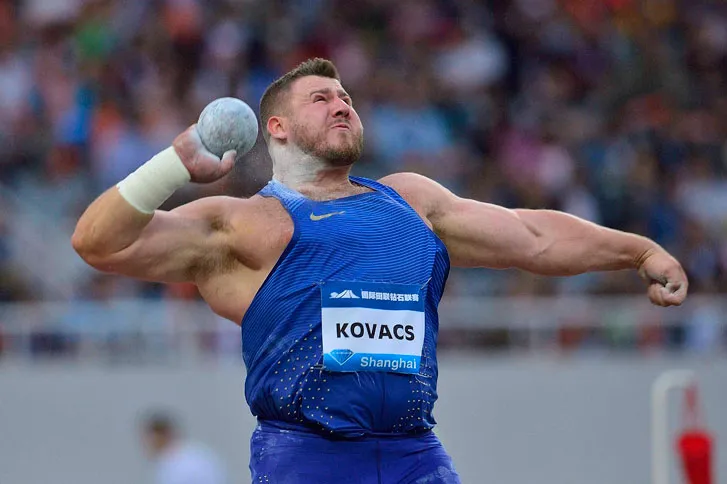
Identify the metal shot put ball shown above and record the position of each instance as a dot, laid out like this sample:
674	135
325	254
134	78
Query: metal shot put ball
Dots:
227	124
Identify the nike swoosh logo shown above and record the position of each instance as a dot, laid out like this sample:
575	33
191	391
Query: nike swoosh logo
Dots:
316	218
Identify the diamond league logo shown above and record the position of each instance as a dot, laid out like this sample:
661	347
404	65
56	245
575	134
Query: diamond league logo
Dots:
341	356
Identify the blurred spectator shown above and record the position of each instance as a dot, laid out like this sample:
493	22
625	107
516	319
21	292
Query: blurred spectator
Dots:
13	286
176	460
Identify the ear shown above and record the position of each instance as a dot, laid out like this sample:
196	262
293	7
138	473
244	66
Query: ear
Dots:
277	128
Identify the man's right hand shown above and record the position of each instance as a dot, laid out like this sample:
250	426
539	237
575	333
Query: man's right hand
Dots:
203	166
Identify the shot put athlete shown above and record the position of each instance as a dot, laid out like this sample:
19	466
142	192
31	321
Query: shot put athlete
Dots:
335	280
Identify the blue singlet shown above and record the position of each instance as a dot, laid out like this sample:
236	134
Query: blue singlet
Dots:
365	273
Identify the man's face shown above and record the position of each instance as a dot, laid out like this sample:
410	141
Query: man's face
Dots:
323	122
155	443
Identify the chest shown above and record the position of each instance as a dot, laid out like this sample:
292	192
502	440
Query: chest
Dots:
367	228
376	241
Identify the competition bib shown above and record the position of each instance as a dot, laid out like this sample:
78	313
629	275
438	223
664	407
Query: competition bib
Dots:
371	326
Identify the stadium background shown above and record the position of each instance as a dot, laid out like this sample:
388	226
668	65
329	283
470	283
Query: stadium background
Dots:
615	111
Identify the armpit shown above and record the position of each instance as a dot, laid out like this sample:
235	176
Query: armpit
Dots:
218	262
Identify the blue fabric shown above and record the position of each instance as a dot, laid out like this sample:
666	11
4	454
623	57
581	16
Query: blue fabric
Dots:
294	457
370	237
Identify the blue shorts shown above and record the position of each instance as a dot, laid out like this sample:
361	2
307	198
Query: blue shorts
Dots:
293	457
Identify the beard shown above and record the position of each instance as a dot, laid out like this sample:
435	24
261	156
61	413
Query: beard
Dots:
344	153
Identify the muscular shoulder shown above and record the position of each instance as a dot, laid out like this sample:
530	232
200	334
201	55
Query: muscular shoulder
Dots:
264	223
425	195
226	212
253	227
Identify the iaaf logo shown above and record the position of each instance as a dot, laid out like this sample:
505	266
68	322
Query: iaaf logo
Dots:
347	294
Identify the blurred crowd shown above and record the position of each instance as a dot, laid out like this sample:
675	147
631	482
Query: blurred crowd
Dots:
613	110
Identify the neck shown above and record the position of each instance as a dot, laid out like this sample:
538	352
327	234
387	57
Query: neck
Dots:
307	174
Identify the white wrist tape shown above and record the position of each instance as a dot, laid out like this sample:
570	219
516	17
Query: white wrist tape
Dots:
154	181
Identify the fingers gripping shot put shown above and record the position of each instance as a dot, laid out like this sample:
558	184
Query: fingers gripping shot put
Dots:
334	279
227	128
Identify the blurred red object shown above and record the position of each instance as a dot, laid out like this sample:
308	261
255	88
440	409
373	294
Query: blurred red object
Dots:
695	444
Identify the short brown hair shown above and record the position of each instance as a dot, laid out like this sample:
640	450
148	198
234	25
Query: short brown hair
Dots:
270	102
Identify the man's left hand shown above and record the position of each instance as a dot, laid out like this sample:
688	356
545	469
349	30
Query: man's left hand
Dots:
665	277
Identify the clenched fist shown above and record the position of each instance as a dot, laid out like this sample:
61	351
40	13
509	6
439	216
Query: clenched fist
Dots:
665	277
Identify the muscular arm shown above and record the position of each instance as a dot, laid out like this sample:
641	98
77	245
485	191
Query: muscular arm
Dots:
173	246
540	241
544	242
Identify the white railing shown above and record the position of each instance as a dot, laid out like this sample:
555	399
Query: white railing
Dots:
588	311
146	329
